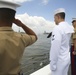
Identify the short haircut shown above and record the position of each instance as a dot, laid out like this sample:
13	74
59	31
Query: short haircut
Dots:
7	14
73	21
62	15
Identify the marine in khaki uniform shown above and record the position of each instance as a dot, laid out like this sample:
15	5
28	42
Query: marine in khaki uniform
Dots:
74	35
12	44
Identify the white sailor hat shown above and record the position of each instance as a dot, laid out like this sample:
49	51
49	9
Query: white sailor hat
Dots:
60	10
8	4
73	18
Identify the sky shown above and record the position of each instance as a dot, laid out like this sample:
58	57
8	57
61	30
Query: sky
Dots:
39	14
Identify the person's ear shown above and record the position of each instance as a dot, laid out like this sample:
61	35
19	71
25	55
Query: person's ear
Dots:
58	17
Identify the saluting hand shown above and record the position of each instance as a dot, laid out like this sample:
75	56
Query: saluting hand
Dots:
25	28
18	22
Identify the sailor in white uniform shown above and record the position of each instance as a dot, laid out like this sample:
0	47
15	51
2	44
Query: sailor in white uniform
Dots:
60	44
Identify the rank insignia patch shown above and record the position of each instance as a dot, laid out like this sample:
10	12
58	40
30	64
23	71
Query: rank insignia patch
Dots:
53	37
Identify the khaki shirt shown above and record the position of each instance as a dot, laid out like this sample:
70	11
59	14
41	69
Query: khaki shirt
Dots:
73	37
74	34
12	45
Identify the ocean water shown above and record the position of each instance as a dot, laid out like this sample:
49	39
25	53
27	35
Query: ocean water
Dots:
36	56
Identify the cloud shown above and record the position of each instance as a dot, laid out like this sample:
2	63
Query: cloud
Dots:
45	2
36	23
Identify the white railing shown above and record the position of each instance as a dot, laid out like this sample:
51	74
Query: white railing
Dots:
43	71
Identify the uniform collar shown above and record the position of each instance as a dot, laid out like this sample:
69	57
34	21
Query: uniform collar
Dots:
6	29
66	27
62	22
